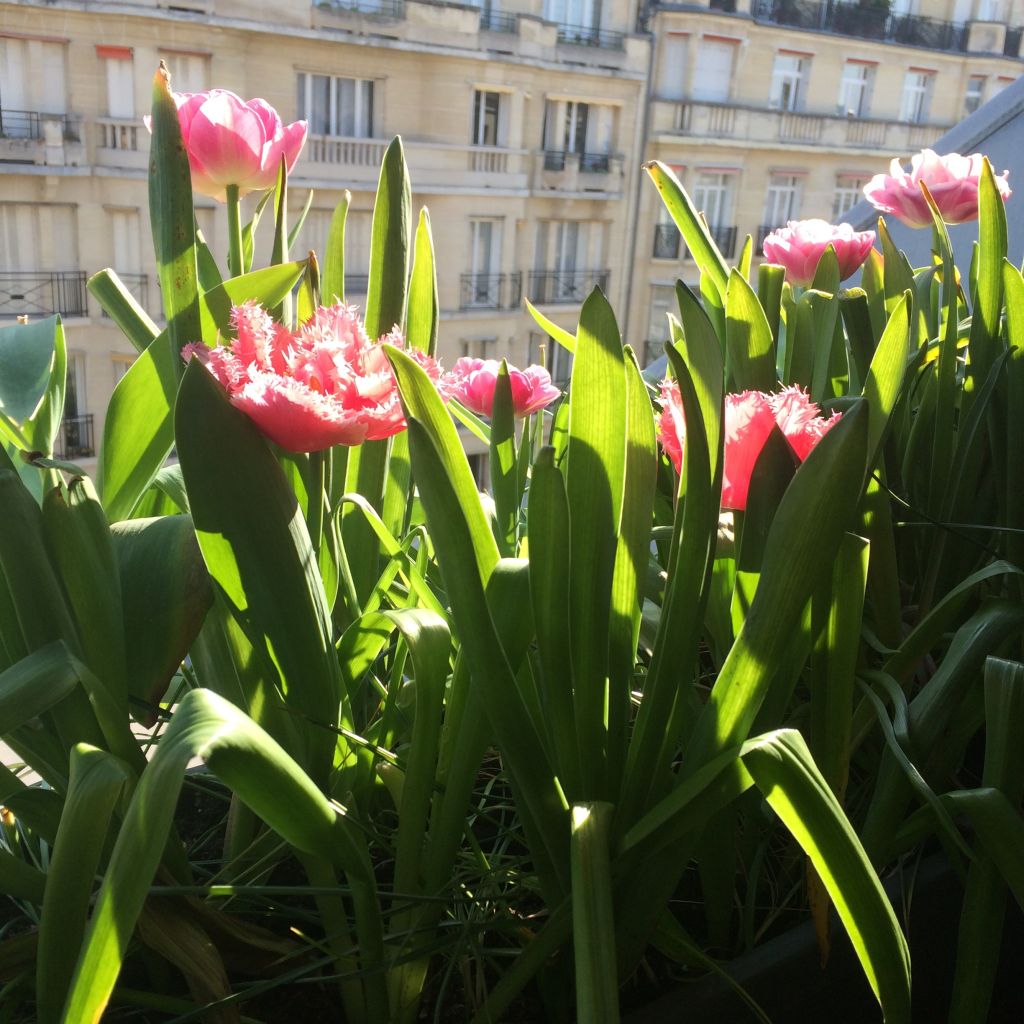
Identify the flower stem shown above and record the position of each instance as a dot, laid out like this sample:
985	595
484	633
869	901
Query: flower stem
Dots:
234	232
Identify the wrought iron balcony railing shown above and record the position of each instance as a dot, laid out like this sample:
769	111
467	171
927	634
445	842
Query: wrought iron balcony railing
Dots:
851	19
554	286
586	35
28	124
375	8
588	163
666	242
42	292
74	440
356	285
490	291
763	231
498	21
728	6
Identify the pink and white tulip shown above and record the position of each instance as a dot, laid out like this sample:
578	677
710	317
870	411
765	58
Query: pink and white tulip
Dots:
749	418
231	141
323	385
472	382
801	243
952	180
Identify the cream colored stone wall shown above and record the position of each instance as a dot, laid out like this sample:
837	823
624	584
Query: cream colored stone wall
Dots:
425	63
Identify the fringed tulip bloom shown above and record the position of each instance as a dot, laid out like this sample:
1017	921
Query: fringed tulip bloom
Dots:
952	180
231	141
749	418
472	382
323	385
801	244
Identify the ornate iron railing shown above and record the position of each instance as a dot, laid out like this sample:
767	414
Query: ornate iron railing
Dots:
41	293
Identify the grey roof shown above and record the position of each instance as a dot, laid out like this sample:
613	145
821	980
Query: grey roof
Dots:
995	129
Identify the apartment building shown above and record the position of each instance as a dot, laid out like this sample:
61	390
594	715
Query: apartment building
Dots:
525	123
516	124
776	110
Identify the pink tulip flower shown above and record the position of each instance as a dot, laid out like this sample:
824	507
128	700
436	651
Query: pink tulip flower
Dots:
323	385
231	141
749	418
952	180
801	244
472	382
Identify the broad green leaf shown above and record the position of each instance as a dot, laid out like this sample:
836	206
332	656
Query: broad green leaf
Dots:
123	308
503	466
594	479
332	276
980	933
804	538
770	278
786	773
632	557
98	781
1013	401
389	244
257	549
703	354
80	544
597	980
551	329
884	382
988	296
490	668
751	357
167	594
27	354
422	402
267	780
548	522
422	316
138	433
856	315
268	287
172	220
691	224
668	696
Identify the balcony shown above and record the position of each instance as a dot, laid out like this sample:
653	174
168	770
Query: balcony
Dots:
41	293
490	291
34	137
498	21
749	124
579	172
666	242
725	239
391	9
850	19
121	142
338	161
74	440
587	35
552	287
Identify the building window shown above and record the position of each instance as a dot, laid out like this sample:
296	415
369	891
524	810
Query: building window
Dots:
789	81
32	81
917	96
973	93
666	237
189	71
712	76
713	196
481	287
782	202
999	85
855	88
672	66
577	13
488	120
117	62
991	10
848	193
663	302
586	129
336	106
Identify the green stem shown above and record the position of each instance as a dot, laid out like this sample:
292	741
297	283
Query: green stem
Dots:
234	232
318	482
